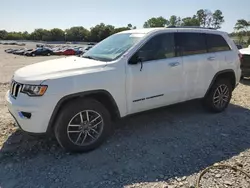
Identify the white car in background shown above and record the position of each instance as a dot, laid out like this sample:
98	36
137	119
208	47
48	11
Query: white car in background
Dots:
245	63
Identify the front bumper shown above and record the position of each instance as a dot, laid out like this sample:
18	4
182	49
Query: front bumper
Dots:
40	115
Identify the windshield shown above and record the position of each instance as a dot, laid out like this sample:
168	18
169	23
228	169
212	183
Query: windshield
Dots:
113	47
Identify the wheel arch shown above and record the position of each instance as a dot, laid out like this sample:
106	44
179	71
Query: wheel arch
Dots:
228	73
101	96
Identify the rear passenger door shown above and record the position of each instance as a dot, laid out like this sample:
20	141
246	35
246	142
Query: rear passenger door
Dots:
221	51
196	62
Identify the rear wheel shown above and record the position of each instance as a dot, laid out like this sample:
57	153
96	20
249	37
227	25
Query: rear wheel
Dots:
83	125
33	55
219	96
48	54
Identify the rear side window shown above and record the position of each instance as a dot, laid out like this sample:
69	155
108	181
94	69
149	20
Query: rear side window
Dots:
191	43
216	43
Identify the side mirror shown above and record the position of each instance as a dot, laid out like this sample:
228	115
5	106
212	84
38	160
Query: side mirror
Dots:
139	57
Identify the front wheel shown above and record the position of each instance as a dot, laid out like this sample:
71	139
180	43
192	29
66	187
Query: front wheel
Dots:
82	125
219	96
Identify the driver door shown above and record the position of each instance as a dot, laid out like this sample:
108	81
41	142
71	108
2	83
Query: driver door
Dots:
154	74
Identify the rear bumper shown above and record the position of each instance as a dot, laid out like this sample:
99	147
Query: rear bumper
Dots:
245	72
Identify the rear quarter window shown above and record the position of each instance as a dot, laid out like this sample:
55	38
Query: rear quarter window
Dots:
216	43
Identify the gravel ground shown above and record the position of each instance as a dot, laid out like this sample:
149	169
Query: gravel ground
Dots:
166	148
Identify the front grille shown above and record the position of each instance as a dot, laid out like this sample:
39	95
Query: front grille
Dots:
15	88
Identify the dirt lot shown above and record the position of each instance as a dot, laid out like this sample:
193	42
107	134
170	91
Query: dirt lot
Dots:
162	148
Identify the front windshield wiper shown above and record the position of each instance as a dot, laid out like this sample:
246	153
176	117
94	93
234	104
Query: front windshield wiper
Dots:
94	58
89	57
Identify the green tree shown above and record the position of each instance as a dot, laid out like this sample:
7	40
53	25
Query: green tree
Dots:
26	35
78	33
205	17
100	32
119	29
3	34
242	25
190	21
130	26
40	35
248	41
218	19
156	22
14	36
56	34
174	21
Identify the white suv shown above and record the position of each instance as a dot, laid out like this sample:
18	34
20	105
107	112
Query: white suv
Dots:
78	98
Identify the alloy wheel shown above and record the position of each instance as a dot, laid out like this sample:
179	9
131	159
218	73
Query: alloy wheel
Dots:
85	127
221	96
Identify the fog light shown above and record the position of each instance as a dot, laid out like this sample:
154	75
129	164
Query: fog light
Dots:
24	115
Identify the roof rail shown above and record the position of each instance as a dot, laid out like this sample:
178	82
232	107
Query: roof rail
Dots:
195	27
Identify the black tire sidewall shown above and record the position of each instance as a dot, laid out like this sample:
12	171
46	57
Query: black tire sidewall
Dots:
71	110
208	101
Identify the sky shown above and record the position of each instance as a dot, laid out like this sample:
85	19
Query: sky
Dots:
27	15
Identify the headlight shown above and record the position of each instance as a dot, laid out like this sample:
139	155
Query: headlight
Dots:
34	90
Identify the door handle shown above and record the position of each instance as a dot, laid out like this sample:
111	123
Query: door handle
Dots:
174	64
211	58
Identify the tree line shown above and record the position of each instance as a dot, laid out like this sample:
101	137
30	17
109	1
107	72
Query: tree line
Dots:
78	33
242	31
203	18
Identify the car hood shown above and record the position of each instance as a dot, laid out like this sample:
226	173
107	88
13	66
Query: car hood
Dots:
57	68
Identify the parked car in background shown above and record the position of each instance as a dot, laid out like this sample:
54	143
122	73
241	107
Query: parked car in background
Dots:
69	52
78	51
21	51
86	49
40	51
10	43
10	50
245	62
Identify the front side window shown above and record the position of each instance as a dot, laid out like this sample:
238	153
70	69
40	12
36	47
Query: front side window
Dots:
191	43
216	43
113	47
158	47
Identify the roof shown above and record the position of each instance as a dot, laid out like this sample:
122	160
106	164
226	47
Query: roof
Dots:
148	30
144	31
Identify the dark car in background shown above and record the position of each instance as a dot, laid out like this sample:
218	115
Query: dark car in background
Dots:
40	52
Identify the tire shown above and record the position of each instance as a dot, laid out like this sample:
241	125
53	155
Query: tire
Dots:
213	96
33	55
69	114
48	54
